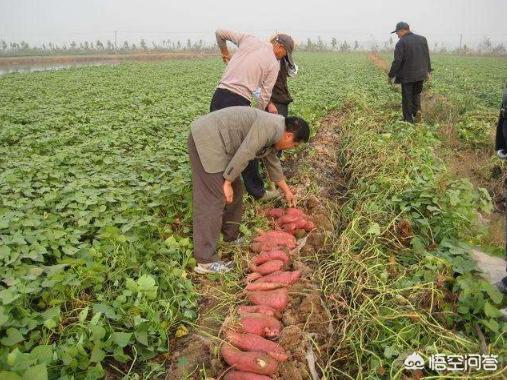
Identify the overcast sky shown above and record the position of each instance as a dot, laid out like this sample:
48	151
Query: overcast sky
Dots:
61	21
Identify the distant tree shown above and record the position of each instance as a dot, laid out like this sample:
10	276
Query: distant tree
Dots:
86	45
92	47
485	45
178	45
99	45
109	45
126	45
309	44
73	45
356	45
189	44
320	43
344	47
24	45
134	47
3	45
499	49
142	43
334	42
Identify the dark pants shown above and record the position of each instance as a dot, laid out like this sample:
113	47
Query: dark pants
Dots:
210	214
411	99
223	98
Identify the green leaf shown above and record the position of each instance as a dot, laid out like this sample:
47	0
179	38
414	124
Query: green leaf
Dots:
38	372
107	310
7	375
98	332
121	338
13	337
374	229
492	291
491	311
5	251
97	355
83	314
43	354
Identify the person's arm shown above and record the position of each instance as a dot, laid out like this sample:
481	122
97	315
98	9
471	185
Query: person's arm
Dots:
398	60
427	52
223	36
274	169
268	82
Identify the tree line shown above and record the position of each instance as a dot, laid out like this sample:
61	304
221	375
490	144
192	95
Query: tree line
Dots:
23	48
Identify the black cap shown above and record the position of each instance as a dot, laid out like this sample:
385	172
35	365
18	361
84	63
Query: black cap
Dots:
401	25
288	43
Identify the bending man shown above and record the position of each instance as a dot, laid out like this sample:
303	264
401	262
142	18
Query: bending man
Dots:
220	146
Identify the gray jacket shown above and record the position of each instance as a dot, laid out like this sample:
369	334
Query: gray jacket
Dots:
227	139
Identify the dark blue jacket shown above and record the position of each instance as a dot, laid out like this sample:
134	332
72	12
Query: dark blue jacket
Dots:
501	126
411	59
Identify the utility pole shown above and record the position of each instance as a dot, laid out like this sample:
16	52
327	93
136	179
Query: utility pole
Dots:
115	40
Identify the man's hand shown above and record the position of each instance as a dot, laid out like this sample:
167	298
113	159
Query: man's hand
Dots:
226	56
290	197
228	192
272	108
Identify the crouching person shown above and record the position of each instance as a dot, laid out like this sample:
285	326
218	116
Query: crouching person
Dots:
220	145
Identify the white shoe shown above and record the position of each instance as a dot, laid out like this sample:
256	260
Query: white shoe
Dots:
214	267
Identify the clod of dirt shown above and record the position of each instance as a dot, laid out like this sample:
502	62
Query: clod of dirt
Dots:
292	339
197	353
293	371
322	222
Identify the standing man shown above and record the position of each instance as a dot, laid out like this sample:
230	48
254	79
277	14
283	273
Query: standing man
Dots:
501	150
411	67
220	146
256	64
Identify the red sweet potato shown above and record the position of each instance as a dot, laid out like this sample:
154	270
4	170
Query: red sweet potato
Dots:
277	299
260	309
240	375
253	276
286	278
270	255
287	219
261	246
260	324
264	285
289	228
294	212
255	362
278	237
275	212
251	342
268	267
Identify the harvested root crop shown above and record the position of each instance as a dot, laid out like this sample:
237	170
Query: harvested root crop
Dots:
260	324
268	267
255	362
276	299
252	342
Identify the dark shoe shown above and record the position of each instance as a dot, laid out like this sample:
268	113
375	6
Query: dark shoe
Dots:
502	285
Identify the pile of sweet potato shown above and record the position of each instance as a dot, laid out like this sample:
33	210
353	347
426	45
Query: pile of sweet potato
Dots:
291	220
251	349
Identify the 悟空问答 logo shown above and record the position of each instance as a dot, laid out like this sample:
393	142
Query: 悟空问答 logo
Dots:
414	361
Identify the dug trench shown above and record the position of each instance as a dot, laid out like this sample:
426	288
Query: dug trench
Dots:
308	327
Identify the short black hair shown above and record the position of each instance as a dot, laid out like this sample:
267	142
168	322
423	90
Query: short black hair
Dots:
299	127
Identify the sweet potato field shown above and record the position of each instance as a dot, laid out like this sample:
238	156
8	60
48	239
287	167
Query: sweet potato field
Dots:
96	258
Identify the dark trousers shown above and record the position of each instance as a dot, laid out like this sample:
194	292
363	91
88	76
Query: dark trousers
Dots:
223	98
411	99
210	214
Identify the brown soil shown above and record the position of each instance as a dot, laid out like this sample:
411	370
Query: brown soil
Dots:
108	58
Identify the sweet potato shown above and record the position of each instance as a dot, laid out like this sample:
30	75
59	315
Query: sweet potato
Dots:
253	276
255	362
289	228
264	285
294	212
261	246
286	278
240	375
277	299
268	267
309	226
278	237
260	309
260	324
288	219
251	342
275	212
270	255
